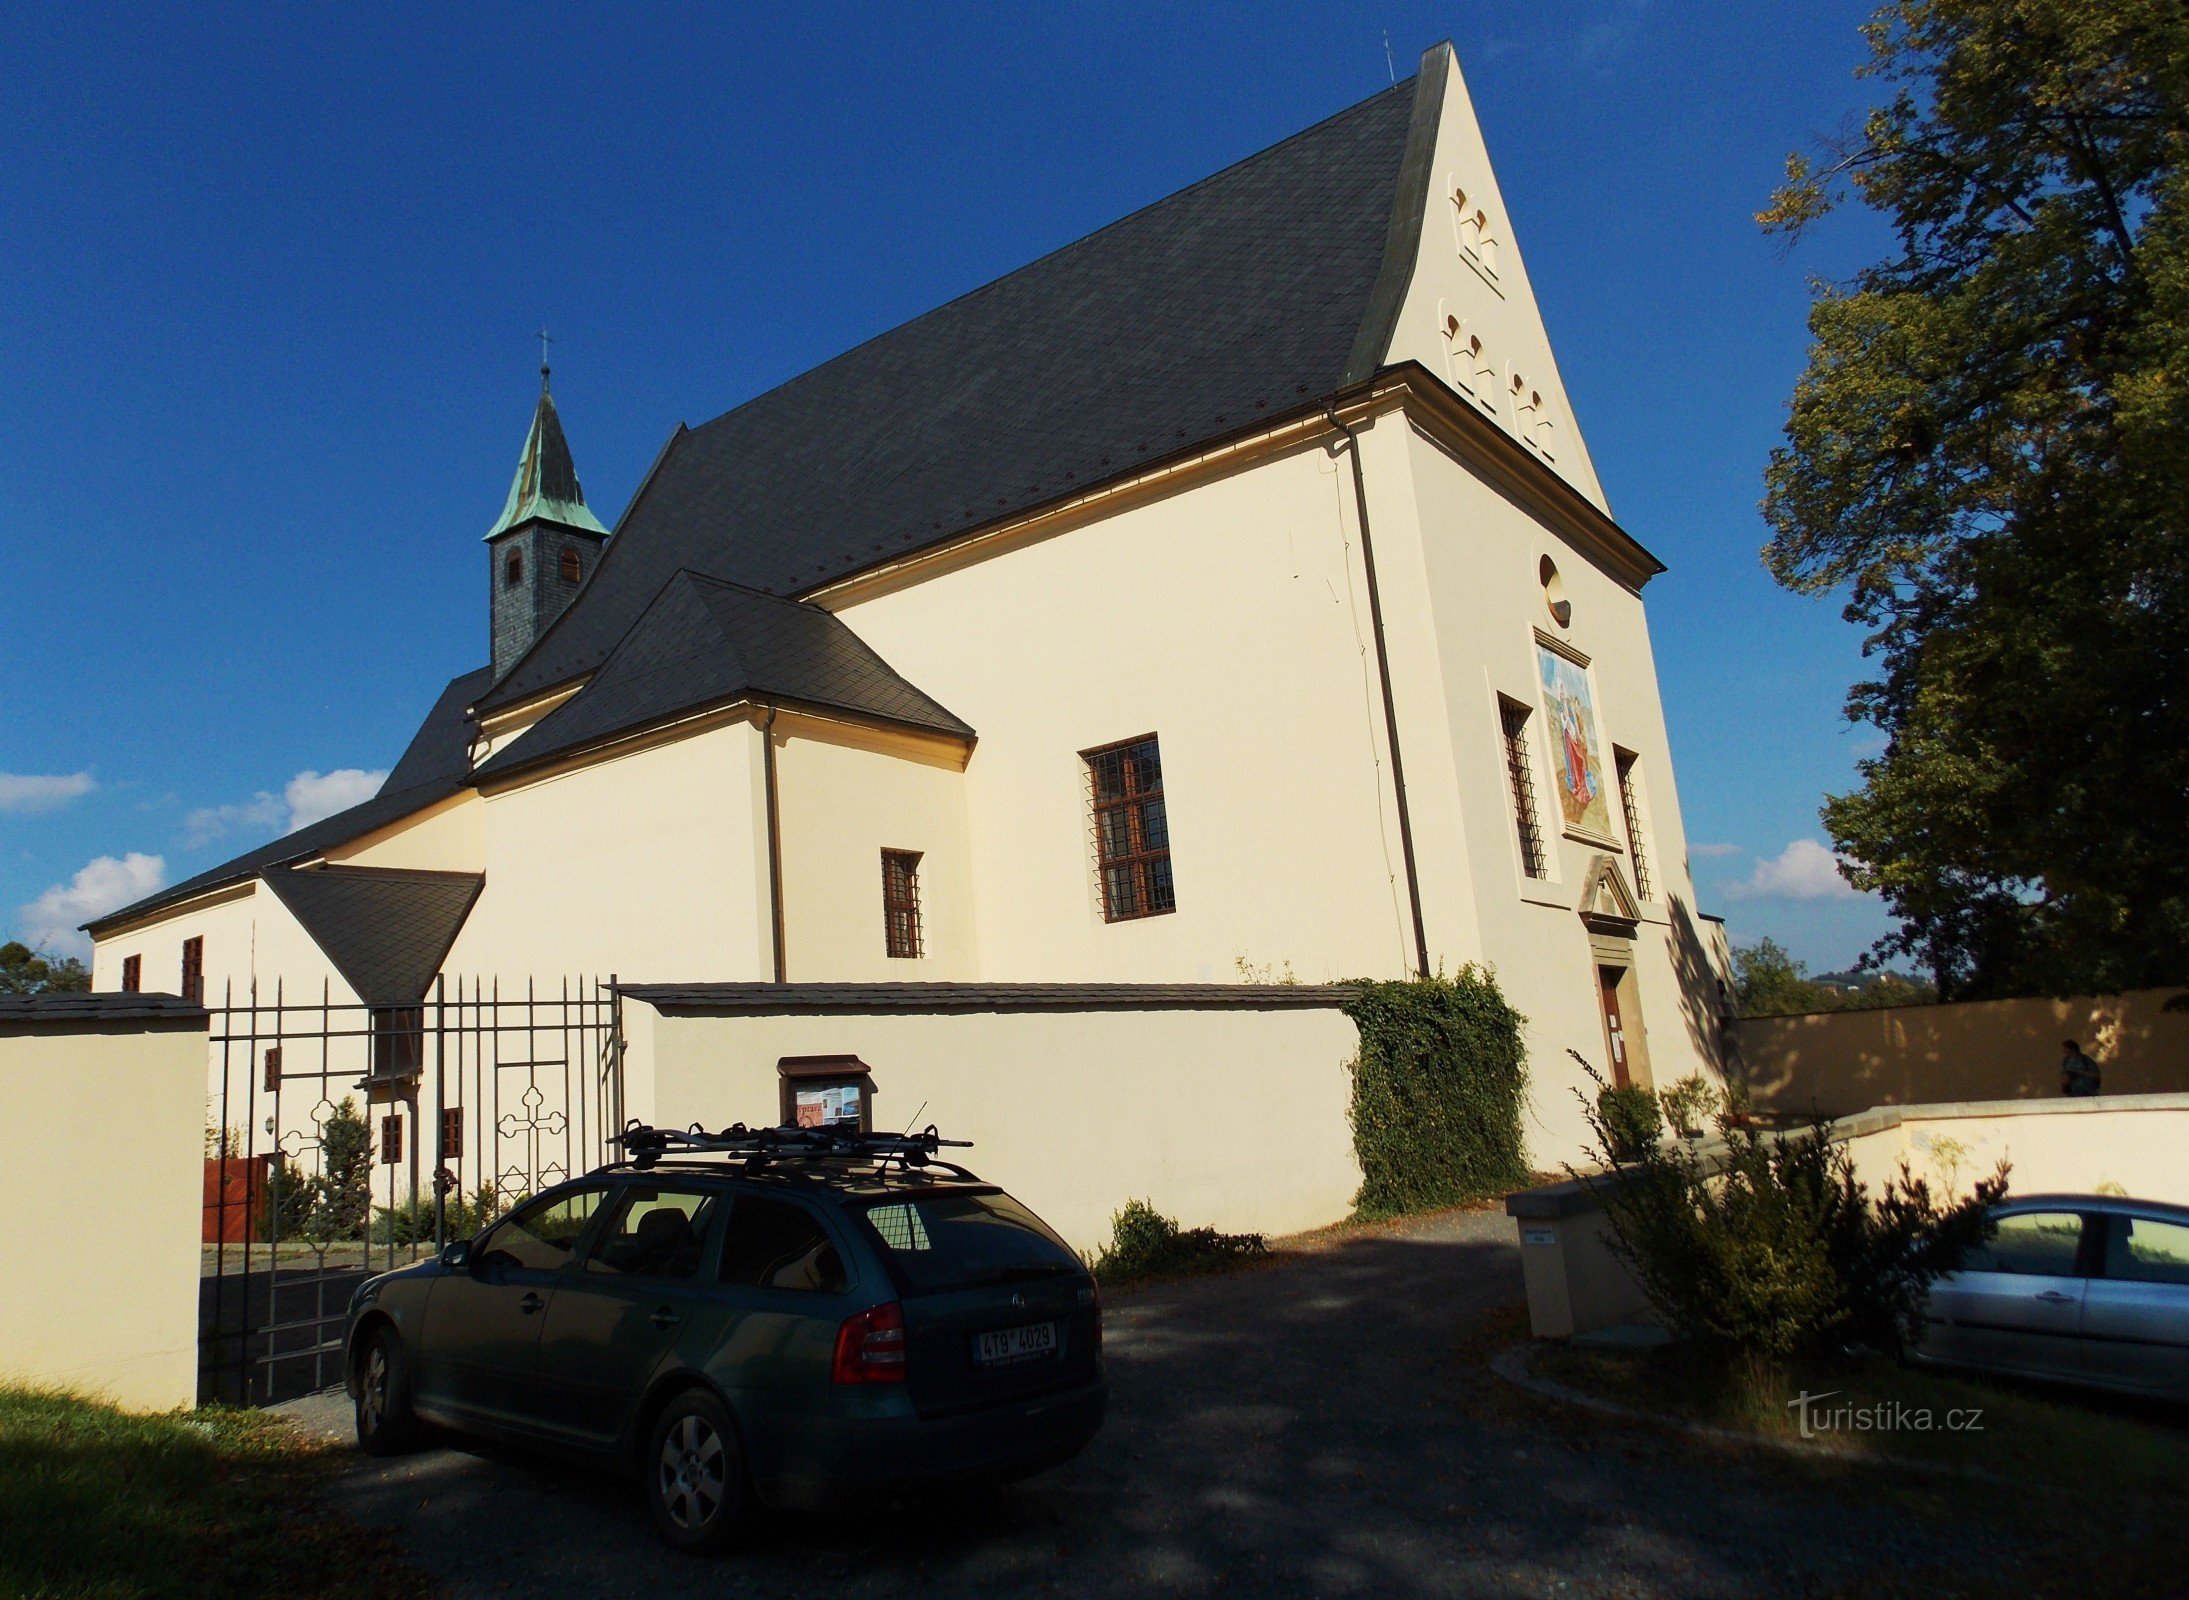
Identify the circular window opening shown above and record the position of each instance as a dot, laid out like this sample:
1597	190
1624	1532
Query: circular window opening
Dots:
1554	593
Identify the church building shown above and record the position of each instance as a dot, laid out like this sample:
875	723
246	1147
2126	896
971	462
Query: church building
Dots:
1226	598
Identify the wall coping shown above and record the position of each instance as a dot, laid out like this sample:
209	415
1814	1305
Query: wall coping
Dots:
1576	1196
78	1013
788	999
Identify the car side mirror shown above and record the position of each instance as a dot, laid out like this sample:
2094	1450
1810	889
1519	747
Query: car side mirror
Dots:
455	1254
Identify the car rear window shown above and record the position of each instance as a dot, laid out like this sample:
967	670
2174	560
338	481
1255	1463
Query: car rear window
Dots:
961	1240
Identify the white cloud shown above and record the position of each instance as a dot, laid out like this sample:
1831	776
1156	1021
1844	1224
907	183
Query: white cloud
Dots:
262	811
314	795
1804	870
106	884
25	793
306	798
1711	852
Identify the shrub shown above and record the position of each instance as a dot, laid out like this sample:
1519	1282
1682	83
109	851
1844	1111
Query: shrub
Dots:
1438	1089
1628	1121
411	1223
1691	1104
1146	1244
1777	1251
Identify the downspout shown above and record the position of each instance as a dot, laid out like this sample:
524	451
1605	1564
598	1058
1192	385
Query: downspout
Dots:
775	846
1390	706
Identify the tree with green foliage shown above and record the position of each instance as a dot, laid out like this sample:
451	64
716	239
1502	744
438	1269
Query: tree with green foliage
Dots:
1769	982
26	971
1989	454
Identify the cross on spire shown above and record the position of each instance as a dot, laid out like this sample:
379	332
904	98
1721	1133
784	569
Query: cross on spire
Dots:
545	341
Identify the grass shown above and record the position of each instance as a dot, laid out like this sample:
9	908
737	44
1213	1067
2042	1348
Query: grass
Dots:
100	1504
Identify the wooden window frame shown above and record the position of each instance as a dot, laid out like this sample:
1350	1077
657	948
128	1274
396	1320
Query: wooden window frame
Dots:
273	1069
193	970
1623	763
903	937
391	1139
132	974
452	1134
1513	718
1138	860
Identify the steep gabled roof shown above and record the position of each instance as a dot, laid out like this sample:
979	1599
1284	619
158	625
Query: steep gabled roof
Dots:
546	485
386	931
704	642
435	765
1236	299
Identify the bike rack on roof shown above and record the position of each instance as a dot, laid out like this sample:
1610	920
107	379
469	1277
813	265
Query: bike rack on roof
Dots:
644	1146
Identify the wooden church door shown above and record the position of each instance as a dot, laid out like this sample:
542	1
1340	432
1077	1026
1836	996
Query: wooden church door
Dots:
1607	988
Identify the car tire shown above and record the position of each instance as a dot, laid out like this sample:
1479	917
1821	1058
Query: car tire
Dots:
386	1425
693	1474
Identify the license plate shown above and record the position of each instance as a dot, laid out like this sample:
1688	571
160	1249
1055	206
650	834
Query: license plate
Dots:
1006	1347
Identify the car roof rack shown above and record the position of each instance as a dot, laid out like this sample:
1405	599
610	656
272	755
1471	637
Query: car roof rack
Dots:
644	1147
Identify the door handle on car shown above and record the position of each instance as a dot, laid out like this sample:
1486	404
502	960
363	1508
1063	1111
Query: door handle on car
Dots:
530	1303
2053	1297
665	1318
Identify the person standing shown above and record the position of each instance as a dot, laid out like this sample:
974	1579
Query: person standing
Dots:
2078	1073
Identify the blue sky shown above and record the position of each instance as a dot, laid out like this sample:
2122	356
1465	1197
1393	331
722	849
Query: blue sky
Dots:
271	276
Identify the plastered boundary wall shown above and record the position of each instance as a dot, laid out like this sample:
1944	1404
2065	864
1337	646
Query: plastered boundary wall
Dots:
1836	1063
1230	1115
2128	1144
102	1298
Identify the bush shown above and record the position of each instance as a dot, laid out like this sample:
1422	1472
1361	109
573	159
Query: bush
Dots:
1146	1244
1691	1104
1438	1089
411	1223
1628	1120
1779	1252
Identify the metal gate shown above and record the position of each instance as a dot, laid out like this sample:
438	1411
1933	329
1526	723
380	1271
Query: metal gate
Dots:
345	1140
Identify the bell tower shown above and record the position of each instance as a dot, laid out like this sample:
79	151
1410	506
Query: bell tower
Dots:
545	544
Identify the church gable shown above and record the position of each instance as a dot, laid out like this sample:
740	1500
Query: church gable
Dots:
1468	313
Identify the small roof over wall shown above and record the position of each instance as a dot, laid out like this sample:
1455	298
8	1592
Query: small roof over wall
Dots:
386	931
146	1013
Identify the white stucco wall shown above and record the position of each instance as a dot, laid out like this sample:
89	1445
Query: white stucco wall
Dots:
648	864
101	1302
846	796
1227	1118
1231	622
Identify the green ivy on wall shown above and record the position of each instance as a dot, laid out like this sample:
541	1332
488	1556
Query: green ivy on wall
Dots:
1437	1093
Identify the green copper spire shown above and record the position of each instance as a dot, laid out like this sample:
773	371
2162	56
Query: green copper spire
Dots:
546	485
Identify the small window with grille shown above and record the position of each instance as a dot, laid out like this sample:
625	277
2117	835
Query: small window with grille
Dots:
391	1141
273	1069
452	1133
1630	803
193	970
1131	829
901	904
1520	773
132	974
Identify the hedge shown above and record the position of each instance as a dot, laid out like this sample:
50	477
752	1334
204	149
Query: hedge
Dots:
1438	1089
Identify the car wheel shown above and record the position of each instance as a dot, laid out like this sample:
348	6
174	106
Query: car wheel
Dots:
695	1474
386	1425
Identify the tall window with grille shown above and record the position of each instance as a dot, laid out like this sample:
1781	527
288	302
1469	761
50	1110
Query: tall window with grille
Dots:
901	904
132	974
1132	837
1631	805
1520	774
193	970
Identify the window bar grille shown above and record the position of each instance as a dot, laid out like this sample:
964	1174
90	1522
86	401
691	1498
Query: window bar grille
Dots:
1633	812
1131	825
901	904
1522	776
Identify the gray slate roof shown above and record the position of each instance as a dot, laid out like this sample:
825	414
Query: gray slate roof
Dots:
1234	300
435	765
386	931
30	1013
858	999
703	642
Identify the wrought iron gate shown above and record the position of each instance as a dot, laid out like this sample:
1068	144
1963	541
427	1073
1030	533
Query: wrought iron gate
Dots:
345	1140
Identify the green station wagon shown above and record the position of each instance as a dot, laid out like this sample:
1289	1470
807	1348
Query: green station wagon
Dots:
782	1317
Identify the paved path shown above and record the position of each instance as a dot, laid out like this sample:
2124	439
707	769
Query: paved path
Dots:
1323	1426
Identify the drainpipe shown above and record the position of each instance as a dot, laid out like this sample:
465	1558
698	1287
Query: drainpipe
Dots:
775	845
1390	706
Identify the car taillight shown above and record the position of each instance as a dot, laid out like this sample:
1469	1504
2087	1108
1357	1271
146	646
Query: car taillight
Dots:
870	1346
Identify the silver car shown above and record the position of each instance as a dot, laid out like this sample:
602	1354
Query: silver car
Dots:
2079	1288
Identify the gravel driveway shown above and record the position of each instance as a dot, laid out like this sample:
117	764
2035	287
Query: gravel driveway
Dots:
1321	1426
